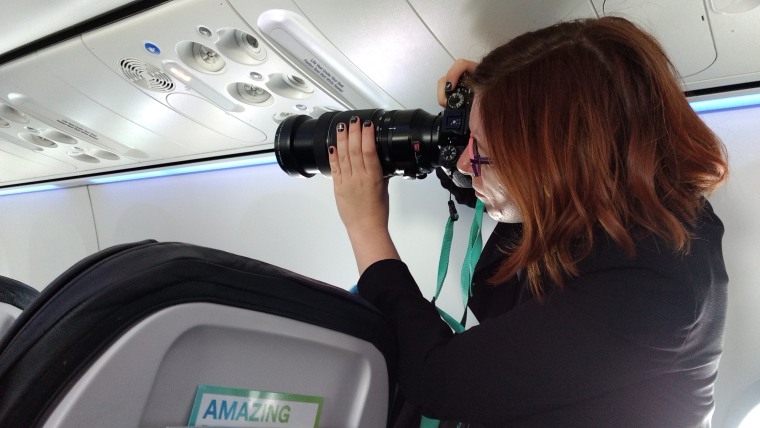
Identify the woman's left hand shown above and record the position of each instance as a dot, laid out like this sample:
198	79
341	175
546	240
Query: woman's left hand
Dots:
361	192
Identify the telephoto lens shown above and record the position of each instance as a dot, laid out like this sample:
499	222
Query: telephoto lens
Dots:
406	141
410	143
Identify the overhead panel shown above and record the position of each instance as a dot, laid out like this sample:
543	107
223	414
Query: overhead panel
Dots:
34	19
36	129
188	80
681	26
387	41
226	77
713	43
735	27
472	28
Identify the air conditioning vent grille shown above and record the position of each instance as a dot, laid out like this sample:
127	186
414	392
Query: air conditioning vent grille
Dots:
146	76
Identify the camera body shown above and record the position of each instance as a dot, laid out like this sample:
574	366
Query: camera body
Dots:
454	134
410	143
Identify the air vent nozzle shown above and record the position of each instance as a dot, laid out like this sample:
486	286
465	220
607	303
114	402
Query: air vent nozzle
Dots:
146	76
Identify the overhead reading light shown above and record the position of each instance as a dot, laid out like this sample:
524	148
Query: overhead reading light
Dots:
199	86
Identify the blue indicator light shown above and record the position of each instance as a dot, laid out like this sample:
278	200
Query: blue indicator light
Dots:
152	48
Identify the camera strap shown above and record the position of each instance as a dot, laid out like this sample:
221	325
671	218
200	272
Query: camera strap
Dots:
474	248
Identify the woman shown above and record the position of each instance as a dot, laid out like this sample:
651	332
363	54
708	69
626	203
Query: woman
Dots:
601	292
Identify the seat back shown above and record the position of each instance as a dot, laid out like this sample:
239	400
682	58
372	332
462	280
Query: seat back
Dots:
169	334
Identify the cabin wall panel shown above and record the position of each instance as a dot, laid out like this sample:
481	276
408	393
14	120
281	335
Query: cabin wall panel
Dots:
44	233
738	204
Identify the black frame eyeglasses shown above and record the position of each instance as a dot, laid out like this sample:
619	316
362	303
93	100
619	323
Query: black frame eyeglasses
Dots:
475	159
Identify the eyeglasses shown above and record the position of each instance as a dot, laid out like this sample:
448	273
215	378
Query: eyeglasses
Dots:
475	159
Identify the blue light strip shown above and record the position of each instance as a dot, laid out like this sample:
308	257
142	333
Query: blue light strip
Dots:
726	103
29	189
213	166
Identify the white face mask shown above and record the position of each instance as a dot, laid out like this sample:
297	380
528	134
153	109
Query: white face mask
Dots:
487	188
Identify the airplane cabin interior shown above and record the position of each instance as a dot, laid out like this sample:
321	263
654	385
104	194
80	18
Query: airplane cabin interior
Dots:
159	268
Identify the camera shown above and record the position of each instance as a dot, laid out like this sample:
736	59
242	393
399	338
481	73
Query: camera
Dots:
410	143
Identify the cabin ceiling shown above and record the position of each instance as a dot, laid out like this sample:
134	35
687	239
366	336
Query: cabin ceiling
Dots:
191	80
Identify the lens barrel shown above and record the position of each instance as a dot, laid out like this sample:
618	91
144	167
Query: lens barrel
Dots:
406	141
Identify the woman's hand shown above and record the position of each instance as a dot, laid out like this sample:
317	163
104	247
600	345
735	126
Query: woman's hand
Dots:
361	192
450	80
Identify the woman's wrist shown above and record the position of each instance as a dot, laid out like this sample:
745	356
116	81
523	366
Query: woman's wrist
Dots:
371	245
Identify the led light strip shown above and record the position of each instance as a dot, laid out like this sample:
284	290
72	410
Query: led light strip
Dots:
154	173
212	166
726	103
29	189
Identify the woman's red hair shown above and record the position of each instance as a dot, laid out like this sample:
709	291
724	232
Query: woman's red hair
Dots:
588	128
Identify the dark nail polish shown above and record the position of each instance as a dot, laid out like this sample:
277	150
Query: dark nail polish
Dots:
448	86
341	127
331	149
354	119
367	123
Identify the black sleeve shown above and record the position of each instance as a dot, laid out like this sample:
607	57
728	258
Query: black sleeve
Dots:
603	331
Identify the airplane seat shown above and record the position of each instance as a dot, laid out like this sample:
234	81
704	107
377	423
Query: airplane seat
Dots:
14	297
157	334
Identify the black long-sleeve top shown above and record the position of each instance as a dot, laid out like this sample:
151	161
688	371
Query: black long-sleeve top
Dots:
628	342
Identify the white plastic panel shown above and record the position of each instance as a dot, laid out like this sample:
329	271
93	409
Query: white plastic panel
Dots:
149	377
681	26
472	28
733	6
21	162
85	136
142	91
34	19
309	50
737	42
42	234
737	204
136	119
712	43
218	54
388	42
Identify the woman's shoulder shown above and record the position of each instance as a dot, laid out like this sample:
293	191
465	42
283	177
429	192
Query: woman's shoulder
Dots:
704	254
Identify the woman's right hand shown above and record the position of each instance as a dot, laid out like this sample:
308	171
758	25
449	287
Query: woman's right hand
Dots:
450	80
361	192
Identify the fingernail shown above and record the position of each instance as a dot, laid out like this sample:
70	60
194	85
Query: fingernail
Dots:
367	123
341	127
354	119
448	86
331	149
